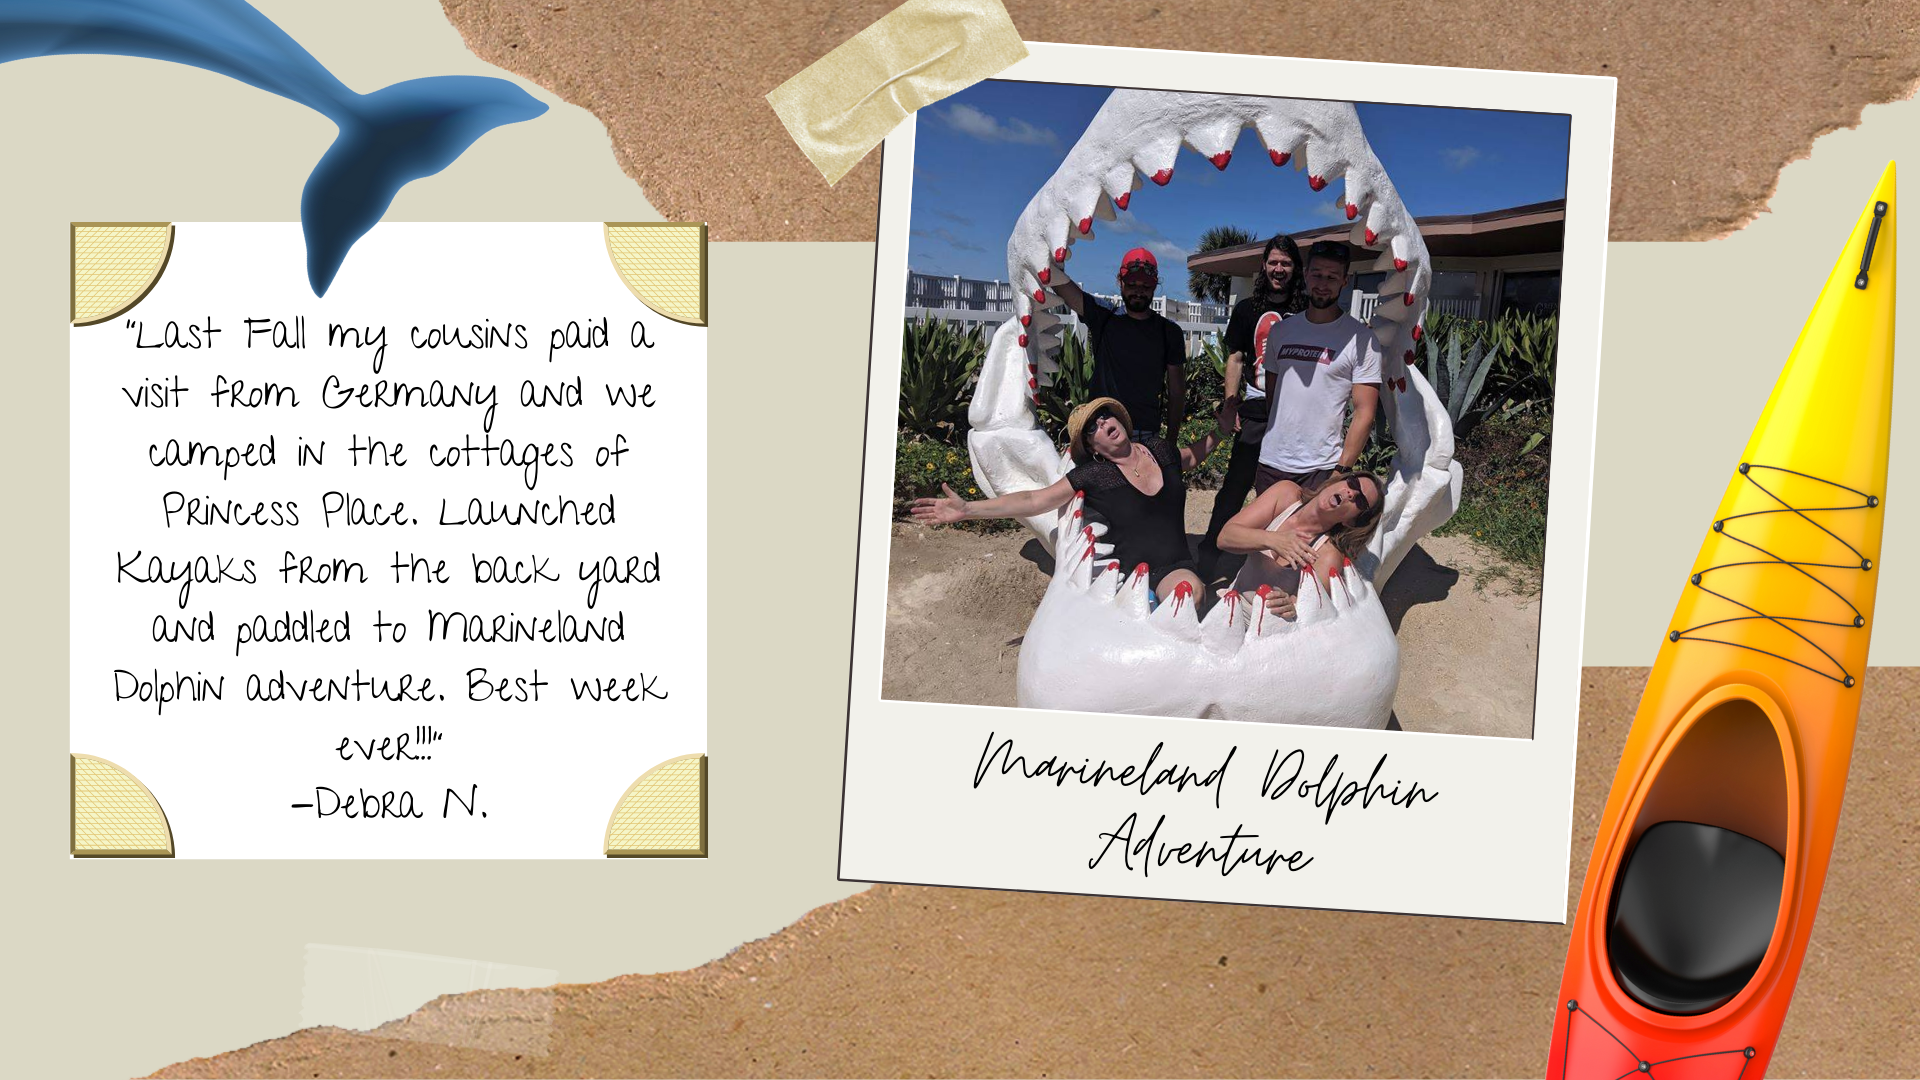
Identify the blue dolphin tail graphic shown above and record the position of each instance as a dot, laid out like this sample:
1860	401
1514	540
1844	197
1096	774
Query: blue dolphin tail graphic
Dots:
387	138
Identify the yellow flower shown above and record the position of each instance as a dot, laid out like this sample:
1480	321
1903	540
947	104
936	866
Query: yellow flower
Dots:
951	459
973	491
929	466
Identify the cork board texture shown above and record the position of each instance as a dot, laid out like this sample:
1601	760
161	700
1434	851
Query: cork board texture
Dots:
1710	106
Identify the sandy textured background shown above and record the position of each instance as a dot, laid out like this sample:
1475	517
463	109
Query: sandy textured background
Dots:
1714	98
120	968
905	981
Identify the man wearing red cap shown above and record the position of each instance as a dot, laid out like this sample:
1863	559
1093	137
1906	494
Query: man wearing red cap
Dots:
1136	355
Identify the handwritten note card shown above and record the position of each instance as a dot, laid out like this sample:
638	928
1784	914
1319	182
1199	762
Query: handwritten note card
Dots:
414	570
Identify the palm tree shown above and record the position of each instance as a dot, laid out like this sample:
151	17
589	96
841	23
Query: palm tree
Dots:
1216	287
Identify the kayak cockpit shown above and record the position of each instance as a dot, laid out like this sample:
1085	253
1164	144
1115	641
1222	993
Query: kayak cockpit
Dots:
1696	901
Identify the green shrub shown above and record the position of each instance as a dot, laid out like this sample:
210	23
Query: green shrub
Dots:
1068	387
938	368
920	466
1503	498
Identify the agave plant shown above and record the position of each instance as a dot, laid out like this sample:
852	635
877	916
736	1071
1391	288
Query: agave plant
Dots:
1069	386
938	366
1528	346
1458	377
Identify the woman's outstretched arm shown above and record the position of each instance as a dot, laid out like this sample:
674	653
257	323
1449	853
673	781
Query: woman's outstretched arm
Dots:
1192	454
953	508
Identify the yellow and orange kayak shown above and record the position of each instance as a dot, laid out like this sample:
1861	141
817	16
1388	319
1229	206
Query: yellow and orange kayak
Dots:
1714	844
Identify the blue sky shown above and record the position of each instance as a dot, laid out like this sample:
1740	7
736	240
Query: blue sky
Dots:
982	153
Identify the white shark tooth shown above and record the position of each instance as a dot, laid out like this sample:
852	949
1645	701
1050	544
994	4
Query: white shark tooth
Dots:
1225	627
1311	604
1109	581
1179	607
1214	140
1338	592
1132	597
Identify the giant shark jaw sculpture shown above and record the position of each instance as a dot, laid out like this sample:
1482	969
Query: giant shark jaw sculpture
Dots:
1092	645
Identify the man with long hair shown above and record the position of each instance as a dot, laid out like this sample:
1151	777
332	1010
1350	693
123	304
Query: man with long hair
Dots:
1276	294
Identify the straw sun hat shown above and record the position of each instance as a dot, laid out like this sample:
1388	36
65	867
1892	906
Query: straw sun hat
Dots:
1078	418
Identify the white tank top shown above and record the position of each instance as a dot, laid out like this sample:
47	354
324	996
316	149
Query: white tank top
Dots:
1261	569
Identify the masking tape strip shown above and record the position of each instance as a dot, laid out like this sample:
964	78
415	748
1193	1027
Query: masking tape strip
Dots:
403	995
844	103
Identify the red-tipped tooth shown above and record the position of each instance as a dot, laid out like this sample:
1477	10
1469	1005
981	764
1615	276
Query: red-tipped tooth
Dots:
1023	341
1045	275
1409	356
1220	159
1026	320
1371	237
1279	157
1399	264
1418	332
1122	200
1409	299
1162	177
1033	384
1353	212
1039	296
1059	255
1140	571
1317	183
1086	226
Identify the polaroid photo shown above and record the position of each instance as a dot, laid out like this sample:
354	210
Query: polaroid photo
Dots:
1226	540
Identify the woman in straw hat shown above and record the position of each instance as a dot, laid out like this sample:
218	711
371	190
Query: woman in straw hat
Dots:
1133	485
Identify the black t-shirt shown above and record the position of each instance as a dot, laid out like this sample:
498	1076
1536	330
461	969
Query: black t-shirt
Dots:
1142	528
1239	339
1130	359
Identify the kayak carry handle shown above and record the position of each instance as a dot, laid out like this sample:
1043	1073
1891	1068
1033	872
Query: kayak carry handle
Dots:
1873	234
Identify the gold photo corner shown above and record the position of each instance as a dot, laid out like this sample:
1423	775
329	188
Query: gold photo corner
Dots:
664	264
663	814
113	815
114	265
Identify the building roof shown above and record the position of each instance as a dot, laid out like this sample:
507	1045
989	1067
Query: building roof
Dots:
1533	229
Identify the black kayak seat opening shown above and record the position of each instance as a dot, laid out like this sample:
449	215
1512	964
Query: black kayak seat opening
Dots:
1693	911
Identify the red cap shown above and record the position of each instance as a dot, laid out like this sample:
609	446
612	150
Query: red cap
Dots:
1140	263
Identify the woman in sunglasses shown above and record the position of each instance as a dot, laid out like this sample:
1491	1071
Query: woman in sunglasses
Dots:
1133	486
1287	531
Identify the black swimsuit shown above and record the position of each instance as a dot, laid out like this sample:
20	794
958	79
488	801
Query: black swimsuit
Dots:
1142	528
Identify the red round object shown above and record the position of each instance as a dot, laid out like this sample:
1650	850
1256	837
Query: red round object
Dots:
1162	177
1122	200
1317	183
1220	159
1278	157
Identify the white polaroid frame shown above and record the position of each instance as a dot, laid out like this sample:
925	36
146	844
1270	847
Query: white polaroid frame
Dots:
1493	840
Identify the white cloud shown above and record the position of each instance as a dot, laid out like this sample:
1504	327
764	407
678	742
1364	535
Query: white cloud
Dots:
1330	212
1459	158
983	126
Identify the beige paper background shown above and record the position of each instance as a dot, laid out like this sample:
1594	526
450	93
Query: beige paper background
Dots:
179	959
1692	339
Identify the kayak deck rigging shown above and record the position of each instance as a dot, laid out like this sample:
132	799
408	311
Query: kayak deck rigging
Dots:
1860	563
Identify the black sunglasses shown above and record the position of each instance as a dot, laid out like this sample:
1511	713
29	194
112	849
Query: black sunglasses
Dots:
1359	498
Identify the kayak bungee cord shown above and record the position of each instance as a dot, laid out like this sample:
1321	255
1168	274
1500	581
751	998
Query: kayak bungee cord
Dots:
1861	563
1644	1067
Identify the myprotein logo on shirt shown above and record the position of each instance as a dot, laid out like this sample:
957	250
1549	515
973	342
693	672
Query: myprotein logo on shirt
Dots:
1315	354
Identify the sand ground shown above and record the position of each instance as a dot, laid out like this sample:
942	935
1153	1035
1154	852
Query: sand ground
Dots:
959	601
